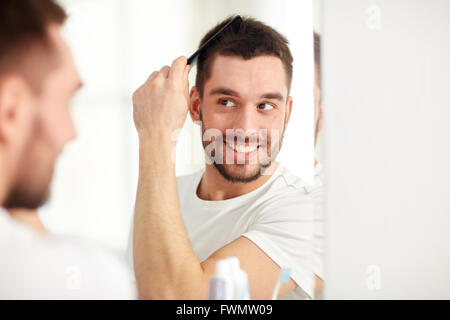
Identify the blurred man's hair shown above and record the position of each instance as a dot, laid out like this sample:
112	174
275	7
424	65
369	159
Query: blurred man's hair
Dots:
23	33
250	39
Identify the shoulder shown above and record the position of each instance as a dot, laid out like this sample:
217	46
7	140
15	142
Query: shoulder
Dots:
288	195
287	186
67	268
284	181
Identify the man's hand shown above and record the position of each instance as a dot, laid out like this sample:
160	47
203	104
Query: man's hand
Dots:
161	103
160	240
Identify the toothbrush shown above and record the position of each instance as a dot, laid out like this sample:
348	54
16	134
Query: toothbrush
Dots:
283	277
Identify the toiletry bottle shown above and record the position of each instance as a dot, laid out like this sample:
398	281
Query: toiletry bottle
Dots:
241	286
240	280
221	283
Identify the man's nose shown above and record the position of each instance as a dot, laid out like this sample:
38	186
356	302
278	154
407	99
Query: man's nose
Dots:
246	119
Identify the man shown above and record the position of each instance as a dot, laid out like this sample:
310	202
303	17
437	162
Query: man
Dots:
244	203
37	81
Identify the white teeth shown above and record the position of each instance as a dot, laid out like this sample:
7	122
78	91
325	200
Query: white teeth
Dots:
243	149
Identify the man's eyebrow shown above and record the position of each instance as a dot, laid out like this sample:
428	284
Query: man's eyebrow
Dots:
230	92
224	91
273	96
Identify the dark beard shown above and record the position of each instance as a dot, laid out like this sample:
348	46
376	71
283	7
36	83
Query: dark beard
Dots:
234	179
20	197
239	178
23	192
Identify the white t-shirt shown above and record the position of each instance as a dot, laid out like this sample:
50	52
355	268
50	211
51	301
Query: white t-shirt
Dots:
277	217
44	266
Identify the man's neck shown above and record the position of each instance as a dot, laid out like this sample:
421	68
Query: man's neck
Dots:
29	217
213	186
4	179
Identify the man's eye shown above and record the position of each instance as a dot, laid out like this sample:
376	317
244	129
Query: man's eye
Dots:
227	103
265	106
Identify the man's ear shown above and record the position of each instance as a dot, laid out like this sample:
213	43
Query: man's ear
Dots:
14	112
194	105
288	112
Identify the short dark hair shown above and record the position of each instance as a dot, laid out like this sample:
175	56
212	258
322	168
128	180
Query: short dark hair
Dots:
250	39
23	28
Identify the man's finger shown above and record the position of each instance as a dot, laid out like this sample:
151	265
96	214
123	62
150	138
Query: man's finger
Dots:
152	75
165	71
187	69
177	69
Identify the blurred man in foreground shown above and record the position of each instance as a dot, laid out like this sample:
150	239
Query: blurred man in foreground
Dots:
37	81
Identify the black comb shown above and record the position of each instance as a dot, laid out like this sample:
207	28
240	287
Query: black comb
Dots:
235	20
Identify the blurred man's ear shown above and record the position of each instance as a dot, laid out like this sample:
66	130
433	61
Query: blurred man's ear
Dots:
15	101
194	105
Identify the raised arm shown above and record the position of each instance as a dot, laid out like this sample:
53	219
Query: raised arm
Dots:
165	264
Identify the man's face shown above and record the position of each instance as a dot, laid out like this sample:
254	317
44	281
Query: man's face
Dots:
51	128
244	111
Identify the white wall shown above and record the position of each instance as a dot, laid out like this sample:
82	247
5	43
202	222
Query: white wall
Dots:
386	98
116	45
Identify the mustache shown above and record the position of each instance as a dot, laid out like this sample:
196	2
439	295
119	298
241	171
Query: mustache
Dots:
245	139
233	136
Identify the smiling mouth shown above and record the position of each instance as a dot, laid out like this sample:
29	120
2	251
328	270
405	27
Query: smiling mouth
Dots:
242	148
